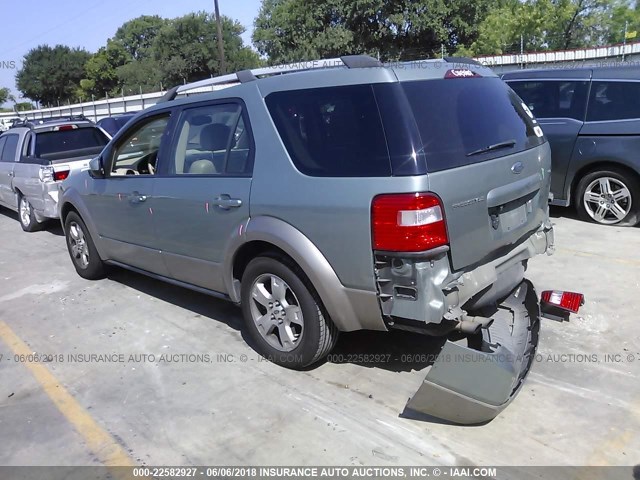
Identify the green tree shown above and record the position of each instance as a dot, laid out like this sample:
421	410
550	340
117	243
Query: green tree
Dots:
186	48
291	30
102	70
552	25
624	16
24	106
5	95
52	74
138	74
137	35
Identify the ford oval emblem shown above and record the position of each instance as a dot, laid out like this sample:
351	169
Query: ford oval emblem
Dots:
517	168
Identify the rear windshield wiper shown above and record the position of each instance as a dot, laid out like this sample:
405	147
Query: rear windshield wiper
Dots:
495	146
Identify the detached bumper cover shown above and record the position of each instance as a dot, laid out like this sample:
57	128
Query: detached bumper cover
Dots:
467	386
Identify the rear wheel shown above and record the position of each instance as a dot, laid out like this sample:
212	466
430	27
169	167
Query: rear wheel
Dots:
81	248
283	315
27	216
609	197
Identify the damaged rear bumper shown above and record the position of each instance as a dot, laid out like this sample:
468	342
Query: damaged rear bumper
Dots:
468	386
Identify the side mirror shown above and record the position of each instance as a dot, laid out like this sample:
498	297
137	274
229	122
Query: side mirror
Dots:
96	169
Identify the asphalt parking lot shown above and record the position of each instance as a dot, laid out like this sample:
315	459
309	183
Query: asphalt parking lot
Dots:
579	407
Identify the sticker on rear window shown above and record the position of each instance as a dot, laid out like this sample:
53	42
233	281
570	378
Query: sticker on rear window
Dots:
461	73
528	110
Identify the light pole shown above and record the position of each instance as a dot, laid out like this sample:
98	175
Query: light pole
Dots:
624	41
223	66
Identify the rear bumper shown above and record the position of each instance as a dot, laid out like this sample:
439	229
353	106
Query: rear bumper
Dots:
417	293
467	386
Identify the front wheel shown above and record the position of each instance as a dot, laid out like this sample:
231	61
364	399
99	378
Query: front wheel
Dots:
27	216
609	197
283	314
81	248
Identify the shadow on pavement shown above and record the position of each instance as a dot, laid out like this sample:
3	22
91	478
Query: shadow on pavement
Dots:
394	351
198	303
50	226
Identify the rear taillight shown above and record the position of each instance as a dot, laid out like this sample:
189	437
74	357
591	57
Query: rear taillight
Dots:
569	301
408	222
49	174
60	175
46	174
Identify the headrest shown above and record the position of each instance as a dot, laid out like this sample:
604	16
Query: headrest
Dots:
215	137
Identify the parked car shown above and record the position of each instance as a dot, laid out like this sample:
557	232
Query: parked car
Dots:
339	199
5	124
112	125
35	158
591	117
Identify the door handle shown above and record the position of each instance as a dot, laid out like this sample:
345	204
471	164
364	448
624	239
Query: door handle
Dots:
136	197
11	174
225	202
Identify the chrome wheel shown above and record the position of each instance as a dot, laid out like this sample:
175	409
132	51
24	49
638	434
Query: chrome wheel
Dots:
276	312
78	244
607	200
25	212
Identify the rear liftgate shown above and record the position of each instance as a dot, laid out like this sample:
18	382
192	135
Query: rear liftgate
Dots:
469	386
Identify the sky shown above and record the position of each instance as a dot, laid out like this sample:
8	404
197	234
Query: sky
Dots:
25	24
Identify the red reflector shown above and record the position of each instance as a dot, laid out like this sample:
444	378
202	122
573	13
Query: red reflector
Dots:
569	301
408	222
60	175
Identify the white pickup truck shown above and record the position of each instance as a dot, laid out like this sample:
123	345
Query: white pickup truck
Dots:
36	157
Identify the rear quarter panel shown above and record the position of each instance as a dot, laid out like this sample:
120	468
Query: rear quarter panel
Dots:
27	181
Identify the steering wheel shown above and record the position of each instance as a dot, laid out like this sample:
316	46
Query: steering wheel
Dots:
146	165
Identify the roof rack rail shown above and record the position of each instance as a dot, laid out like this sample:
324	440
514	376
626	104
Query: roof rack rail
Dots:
245	76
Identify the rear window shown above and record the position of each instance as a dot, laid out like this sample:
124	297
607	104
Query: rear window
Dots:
87	140
458	118
332	132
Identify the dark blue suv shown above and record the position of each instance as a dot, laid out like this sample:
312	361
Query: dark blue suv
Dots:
591	117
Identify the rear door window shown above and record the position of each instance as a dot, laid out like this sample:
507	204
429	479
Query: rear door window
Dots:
459	118
10	148
333	131
614	101
553	99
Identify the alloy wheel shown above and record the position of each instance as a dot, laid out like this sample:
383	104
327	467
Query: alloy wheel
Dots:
78	244
607	200
276	312
25	212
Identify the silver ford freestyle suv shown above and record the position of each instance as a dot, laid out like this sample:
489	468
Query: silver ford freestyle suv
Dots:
337	196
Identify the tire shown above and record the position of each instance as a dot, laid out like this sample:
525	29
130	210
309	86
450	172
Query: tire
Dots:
82	250
283	314
609	197
26	215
